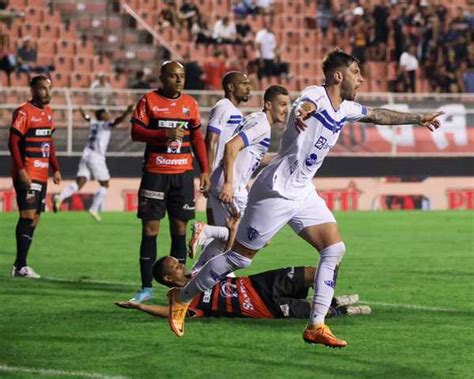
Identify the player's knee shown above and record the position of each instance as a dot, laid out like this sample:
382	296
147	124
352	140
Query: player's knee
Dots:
151	228
81	181
237	261
335	251
104	183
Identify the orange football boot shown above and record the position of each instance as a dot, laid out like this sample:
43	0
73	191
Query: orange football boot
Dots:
177	314
321	334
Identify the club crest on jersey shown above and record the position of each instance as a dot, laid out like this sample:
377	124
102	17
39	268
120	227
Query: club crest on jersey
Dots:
186	111
330	283
252	233
174	146
321	143
45	149
311	160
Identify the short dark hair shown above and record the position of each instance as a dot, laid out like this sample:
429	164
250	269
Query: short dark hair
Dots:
36	79
229	78
273	91
99	112
158	272
336	59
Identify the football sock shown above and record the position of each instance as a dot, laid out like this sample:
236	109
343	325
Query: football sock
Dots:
23	232
68	191
212	272
147	258
213	248
98	199
178	247
325	281
219	232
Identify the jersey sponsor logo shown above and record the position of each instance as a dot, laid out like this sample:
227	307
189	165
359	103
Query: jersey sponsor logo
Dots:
171	162
188	207
246	301
172	124
311	160
45	149
158	109
39	164
152	194
252	233
42	132
36	119
330	283
321	143
207	296
174	146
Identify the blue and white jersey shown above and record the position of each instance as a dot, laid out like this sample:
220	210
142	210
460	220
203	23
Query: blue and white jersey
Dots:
99	136
301	154
255	131
223	120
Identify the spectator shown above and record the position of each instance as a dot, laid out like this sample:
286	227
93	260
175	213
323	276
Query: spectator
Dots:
380	15
101	90
244	31
189	12
408	67
140	82
359	36
168	16
266	43
201	33
214	70
224	31
324	16
193	74
244	8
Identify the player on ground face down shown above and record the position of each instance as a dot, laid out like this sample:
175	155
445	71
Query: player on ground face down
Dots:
279	293
92	162
33	152
224	118
242	156
169	122
283	193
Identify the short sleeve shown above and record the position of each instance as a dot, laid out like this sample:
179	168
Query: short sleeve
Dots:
315	95
140	114
217	119
355	111
20	122
254	131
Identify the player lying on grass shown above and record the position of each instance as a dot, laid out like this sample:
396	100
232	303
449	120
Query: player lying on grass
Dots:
279	293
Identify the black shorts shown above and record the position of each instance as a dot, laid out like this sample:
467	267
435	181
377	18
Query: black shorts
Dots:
283	291
267	69
159	193
32	198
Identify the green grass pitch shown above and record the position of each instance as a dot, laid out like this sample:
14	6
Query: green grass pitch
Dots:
415	269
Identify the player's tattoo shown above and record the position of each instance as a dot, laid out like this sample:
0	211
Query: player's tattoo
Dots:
383	116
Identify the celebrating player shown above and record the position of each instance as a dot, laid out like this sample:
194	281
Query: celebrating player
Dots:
33	152
92	162
224	118
169	122
284	193
242	156
279	293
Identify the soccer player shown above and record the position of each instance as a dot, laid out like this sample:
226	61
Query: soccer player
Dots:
224	118
169	122
279	293
242	156
92	162
33	152
283	193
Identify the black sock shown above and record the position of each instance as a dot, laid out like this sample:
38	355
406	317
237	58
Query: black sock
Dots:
31	231
24	233
147	258
178	247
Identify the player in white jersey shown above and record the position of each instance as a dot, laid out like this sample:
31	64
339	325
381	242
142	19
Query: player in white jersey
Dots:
284	194
243	154
224	118
92	163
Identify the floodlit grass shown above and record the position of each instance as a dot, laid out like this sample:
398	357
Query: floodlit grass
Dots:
415	269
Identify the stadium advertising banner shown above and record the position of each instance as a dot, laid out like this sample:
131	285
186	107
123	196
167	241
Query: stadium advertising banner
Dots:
341	194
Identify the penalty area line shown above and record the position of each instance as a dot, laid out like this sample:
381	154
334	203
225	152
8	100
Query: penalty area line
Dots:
409	306
62	373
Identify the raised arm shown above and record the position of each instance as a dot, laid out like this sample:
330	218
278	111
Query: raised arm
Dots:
384	116
120	118
231	150
84	115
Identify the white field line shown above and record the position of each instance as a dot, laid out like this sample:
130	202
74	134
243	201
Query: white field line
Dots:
377	303
62	373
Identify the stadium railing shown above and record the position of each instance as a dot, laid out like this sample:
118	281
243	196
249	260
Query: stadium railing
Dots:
456	137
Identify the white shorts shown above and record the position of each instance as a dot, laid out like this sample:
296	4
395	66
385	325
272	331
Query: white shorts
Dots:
93	166
220	210
267	212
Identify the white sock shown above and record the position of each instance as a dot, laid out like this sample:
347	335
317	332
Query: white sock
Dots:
219	232
212	272
325	281
68	191
98	199
215	247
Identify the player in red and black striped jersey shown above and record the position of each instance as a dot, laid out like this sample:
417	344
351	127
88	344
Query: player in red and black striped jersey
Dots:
168	121
33	152
279	293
